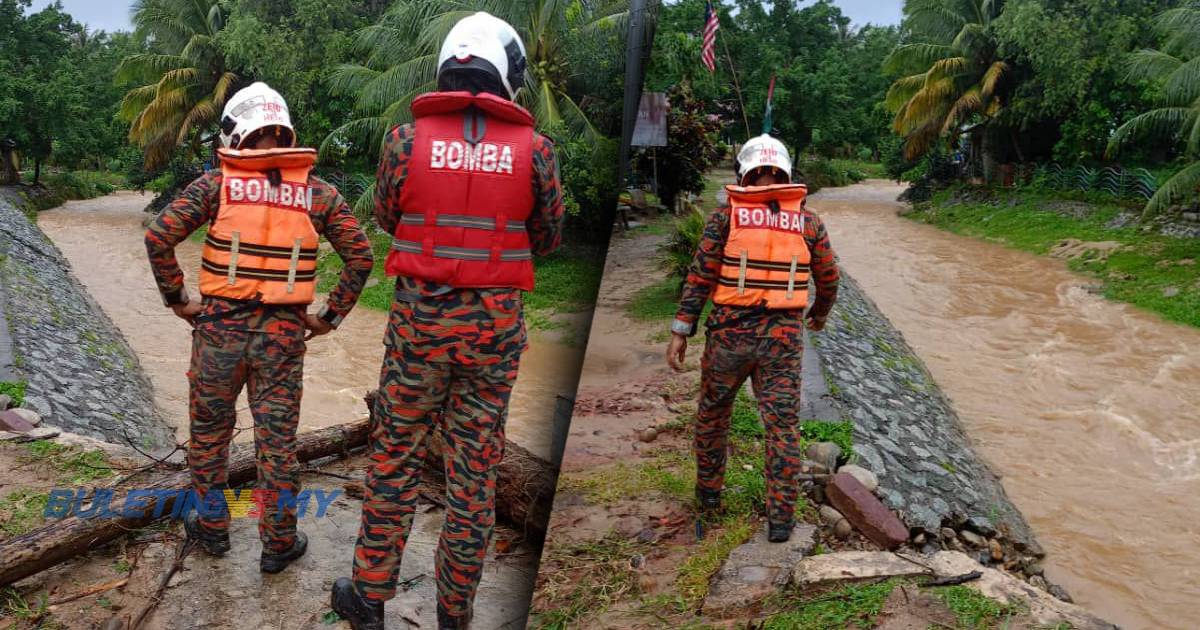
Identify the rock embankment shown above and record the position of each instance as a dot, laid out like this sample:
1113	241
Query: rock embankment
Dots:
80	374
907	433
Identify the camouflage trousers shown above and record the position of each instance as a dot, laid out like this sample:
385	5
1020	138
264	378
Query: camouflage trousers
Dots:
449	367
271	366
773	365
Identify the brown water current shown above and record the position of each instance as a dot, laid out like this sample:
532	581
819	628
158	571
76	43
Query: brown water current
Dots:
103	240
1089	409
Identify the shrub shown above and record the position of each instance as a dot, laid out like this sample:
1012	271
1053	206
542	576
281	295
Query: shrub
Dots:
589	178
678	250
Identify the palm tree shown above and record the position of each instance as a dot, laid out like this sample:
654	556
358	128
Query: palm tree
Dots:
183	82
402	51
950	73
1176	67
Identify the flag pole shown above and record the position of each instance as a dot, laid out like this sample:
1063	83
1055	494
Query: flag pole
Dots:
736	86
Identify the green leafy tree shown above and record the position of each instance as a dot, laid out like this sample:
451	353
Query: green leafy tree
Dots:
95	137
37	94
1175	68
828	86
1070	57
292	45
950	72
183	80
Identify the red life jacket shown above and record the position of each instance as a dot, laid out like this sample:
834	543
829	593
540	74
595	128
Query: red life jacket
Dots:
467	195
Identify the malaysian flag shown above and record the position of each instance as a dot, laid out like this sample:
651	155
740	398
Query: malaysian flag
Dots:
708	54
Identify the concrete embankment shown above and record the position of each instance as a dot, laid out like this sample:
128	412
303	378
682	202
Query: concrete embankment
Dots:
80	374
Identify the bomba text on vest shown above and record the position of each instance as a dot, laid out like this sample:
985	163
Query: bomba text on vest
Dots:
458	155
257	190
763	218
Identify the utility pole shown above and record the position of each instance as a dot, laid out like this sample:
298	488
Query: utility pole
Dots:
634	42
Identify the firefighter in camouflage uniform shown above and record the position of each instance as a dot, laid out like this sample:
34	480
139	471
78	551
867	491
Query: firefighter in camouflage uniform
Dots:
264	211
754	261
471	193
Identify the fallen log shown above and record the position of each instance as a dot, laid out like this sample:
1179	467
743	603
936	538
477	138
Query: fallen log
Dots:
63	539
524	493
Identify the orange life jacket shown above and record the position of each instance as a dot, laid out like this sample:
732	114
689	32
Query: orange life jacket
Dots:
766	259
262	244
468	194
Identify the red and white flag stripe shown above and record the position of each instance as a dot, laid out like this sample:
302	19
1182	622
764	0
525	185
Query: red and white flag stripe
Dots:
711	24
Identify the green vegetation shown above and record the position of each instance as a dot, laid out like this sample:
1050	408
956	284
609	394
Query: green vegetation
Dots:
1147	269
12	602
567	281
21	511
668	473
706	560
974	610
655	302
855	605
71	465
840	433
15	391
1172	67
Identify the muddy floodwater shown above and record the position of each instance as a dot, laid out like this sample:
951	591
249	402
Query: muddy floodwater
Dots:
103	240
1089	409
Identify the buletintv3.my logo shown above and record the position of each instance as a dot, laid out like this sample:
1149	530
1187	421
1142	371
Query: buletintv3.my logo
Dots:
174	503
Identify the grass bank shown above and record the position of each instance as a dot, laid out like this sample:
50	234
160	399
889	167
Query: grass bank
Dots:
56	189
1149	270
567	281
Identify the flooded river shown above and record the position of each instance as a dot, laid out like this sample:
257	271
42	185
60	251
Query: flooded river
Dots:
1088	409
103	240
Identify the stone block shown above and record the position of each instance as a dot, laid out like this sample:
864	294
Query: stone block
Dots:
14	422
757	569
853	565
865	512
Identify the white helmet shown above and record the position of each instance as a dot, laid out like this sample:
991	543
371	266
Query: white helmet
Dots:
764	151
251	109
485	42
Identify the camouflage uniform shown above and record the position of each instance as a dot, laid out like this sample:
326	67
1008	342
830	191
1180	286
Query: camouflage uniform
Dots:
261	348
764	345
451	361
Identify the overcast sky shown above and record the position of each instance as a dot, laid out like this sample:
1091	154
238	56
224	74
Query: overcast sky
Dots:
113	15
106	15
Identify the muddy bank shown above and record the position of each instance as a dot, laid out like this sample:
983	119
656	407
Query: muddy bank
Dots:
905	430
81	374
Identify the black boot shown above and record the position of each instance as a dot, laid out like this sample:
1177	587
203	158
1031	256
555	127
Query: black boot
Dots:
448	622
215	543
362	613
276	561
779	532
709	500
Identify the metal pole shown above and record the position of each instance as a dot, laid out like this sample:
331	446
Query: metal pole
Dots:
737	86
633	82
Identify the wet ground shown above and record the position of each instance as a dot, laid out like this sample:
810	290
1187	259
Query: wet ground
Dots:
1087	408
230	593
